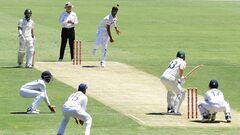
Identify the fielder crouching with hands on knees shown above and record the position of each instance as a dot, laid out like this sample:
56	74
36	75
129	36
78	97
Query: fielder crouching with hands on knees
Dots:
37	89
214	102
75	107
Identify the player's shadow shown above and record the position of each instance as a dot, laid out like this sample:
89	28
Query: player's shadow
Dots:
163	113
89	66
10	67
208	122
30	114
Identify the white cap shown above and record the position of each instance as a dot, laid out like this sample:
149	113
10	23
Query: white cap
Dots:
68	4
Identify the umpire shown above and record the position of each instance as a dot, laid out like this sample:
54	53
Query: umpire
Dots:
68	20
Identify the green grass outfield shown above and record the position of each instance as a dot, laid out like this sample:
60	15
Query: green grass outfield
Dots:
152	32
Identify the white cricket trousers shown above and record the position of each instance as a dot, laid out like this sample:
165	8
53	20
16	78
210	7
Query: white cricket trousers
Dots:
69	112
209	108
28	93
26	46
174	88
102	38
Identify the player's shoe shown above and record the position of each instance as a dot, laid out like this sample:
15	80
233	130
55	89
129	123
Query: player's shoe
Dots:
205	117
228	118
213	116
31	111
170	110
178	113
60	60
19	66
102	64
29	66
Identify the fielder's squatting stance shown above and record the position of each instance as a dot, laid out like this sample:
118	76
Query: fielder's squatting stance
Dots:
173	84
75	107
37	89
104	34
214	102
26	39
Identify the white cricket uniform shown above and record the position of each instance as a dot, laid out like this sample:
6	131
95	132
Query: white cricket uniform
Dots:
75	107
102	36
35	89
65	17
169	79
26	42
214	102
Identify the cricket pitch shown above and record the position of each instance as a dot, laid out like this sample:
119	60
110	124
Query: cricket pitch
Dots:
136	94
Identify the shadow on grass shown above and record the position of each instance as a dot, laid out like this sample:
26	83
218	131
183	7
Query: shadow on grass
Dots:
163	113
31	114
11	67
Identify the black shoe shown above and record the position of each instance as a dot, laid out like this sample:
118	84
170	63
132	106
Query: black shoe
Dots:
228	118
213	116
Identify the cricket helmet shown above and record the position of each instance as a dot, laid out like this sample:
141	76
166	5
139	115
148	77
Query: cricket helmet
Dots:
46	76
82	87
28	13
213	84
181	54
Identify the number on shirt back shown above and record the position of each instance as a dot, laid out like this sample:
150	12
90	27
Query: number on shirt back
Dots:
172	64
215	93
74	97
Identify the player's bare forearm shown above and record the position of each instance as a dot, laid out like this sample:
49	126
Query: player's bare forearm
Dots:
117	30
109	33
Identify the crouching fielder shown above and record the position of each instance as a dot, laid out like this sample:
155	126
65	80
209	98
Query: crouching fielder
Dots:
75	107
37	89
214	102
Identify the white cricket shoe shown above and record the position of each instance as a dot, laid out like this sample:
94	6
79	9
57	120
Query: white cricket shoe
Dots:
31	111
228	118
102	64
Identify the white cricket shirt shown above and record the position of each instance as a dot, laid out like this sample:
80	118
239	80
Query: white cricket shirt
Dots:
65	17
26	27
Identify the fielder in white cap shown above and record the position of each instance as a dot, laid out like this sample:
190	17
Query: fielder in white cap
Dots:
68	20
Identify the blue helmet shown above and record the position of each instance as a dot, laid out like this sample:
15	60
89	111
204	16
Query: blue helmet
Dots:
213	84
82	87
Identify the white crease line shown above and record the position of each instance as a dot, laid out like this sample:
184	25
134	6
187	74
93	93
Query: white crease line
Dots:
140	121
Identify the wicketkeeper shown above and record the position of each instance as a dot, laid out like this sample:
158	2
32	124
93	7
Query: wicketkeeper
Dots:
173	79
75	107
26	39
37	89
214	102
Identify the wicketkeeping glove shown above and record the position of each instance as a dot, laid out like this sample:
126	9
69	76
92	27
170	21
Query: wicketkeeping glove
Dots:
52	108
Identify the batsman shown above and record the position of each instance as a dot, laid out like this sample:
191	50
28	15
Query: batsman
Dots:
26	39
173	79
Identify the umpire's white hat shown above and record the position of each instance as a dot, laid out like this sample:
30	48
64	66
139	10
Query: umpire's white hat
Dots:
68	4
